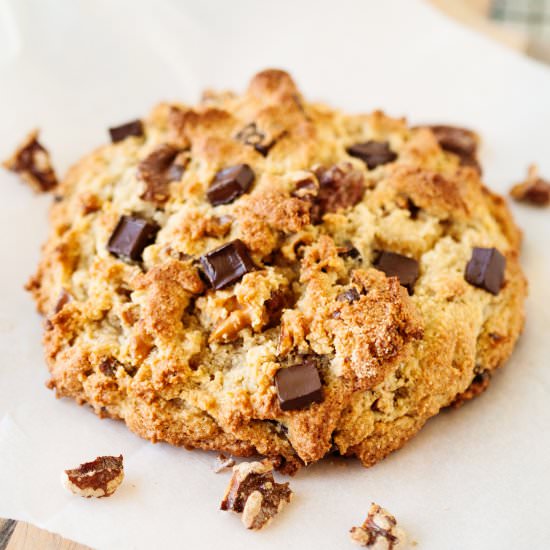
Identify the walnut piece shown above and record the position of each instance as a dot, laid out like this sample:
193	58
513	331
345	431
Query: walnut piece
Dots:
379	531
32	162
99	478
534	190
253	492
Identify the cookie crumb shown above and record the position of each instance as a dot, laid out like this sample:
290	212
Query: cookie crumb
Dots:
223	463
32	162
379	531
99	478
534	190
253	492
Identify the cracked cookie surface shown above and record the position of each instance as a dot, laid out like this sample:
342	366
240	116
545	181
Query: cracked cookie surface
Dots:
249	232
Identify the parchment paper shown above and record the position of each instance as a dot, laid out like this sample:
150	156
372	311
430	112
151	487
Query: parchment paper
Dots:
474	478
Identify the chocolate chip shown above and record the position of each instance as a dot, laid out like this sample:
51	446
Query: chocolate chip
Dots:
351	295
459	141
133	128
130	237
230	183
486	269
158	169
372	153
250	135
227	264
298	386
396	265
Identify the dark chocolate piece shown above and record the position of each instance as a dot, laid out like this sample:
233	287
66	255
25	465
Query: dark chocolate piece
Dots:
132	128
227	264
396	265
131	236
298	386
459	141
486	269
230	183
350	295
372	153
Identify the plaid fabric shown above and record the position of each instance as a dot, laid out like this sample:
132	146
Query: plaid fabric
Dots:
531	17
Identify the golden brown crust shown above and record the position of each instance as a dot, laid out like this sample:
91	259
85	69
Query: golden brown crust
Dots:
151	344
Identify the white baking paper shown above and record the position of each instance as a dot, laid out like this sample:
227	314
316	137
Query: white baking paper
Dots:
474	478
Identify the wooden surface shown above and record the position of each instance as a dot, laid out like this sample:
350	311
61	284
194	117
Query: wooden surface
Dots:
23	536
18	535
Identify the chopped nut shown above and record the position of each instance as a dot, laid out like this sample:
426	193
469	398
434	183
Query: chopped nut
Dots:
99	478
228	329
533	190
164	165
341	186
253	492
32	162
379	531
223	463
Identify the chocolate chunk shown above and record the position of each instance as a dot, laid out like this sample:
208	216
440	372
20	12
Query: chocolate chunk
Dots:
459	141
250	135
227	264
298	386
253	491
99	478
486	269
133	128
230	183
372	153
351	295
163	165
131	236
534	190
32	162
396	265
340	187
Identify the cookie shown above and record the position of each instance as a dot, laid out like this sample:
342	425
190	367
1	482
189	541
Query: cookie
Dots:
258	274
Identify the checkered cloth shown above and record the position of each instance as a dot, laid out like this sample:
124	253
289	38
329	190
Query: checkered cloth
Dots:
531	17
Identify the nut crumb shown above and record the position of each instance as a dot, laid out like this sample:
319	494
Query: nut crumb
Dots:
223	463
534	190
253	492
99	478
32	162
379	531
